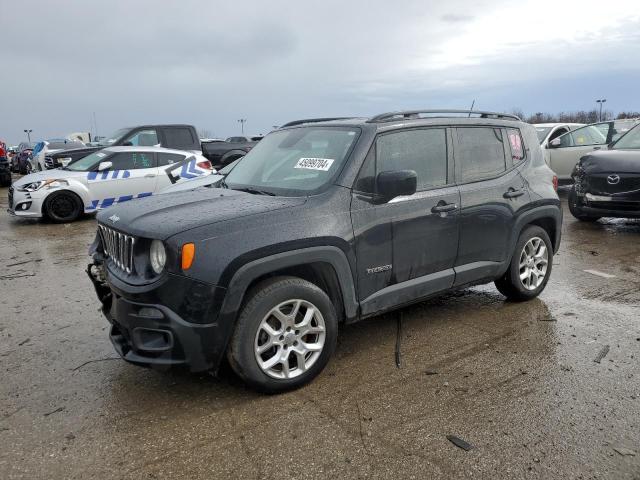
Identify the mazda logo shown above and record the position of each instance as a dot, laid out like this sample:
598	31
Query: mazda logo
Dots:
613	179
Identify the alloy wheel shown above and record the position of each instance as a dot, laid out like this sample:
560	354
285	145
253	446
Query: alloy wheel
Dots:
290	339
534	261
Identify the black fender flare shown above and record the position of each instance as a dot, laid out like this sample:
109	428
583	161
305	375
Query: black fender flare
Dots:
544	211
246	274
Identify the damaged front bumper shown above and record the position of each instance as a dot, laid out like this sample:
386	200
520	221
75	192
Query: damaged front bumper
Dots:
163	325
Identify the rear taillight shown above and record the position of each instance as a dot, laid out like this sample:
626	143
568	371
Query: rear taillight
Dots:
555	183
205	165
246	149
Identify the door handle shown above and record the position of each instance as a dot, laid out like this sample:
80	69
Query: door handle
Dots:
149	175
513	193
444	208
597	148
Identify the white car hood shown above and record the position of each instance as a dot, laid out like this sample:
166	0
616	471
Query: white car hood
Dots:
49	174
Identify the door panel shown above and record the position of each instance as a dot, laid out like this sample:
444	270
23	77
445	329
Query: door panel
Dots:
406	247
133	175
574	145
487	205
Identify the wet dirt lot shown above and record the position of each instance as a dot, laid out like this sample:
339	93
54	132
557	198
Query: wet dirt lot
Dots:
517	381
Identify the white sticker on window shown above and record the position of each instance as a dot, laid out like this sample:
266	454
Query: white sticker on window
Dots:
100	154
323	164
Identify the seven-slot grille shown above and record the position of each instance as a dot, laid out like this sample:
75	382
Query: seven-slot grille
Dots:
118	247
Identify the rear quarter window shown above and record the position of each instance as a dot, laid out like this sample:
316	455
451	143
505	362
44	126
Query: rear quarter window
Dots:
516	144
179	137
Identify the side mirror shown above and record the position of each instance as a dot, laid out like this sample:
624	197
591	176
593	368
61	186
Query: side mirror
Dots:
127	144
555	143
394	184
104	166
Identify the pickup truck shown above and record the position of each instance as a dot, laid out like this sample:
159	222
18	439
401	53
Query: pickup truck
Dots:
178	137
221	154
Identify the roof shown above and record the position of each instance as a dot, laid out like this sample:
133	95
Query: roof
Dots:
551	125
413	117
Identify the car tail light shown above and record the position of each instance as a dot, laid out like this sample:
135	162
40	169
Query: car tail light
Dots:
555	183
246	149
206	165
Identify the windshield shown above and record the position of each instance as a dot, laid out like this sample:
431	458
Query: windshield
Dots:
295	162
542	133
111	139
629	141
85	164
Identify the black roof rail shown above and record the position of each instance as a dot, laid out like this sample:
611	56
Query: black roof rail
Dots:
411	114
313	120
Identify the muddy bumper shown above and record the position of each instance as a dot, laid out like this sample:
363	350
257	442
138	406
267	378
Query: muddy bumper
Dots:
165	326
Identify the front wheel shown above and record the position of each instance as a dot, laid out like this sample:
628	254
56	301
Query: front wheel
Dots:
530	266
63	207
284	336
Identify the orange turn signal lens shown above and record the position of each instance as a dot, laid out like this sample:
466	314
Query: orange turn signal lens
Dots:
188	254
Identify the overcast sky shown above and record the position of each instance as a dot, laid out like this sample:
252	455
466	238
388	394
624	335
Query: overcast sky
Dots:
210	63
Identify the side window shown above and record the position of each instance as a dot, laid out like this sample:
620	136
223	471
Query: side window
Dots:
566	140
517	145
131	160
367	177
143	138
178	137
589	135
480	153
557	133
424	151
165	159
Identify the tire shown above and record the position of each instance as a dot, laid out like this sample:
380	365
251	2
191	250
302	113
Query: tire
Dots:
283	294
5	181
62	207
510	284
576	211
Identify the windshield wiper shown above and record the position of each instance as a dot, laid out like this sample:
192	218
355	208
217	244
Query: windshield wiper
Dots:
254	191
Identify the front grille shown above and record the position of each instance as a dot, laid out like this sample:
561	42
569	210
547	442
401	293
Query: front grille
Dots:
628	183
11	196
118	247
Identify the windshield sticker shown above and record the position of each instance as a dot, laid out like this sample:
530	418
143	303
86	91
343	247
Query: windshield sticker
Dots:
100	154
322	164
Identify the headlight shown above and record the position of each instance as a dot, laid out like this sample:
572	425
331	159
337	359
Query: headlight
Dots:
33	186
158	256
64	161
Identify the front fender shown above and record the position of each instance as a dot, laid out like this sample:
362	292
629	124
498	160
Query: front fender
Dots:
330	255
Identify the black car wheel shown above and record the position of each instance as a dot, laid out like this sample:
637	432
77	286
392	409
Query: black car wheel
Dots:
576	211
5	180
284	336
63	207
530	266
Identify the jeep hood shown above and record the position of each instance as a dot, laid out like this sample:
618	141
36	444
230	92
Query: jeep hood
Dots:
611	161
166	215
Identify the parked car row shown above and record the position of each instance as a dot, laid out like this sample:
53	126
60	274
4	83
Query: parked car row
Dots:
563	151
101	179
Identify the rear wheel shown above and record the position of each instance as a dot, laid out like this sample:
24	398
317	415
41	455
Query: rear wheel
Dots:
284	336
530	266
62	207
576	210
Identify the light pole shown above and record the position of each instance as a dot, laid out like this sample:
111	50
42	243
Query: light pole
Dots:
601	101
28	132
242	121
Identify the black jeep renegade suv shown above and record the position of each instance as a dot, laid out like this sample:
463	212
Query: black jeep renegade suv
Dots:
326	222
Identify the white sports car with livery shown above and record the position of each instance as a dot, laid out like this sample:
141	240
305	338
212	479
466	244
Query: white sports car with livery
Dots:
104	178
